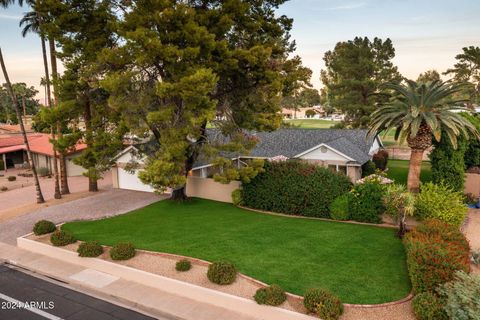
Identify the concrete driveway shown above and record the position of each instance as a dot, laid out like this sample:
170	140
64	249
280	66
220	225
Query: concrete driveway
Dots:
27	195
108	203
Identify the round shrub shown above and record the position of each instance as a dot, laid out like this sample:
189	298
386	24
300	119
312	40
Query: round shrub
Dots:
324	304
183	265
438	201
3	188
339	208
122	251
273	295
44	227
366	204
90	249
237	197
222	272
12	178
60	238
295	187
428	306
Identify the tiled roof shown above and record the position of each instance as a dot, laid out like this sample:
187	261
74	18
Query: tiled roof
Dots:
39	143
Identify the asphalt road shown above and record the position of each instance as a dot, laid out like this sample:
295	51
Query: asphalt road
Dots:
45	300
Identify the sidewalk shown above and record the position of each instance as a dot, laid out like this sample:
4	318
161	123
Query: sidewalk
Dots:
149	299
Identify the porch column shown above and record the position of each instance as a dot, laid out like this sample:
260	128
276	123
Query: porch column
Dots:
4	157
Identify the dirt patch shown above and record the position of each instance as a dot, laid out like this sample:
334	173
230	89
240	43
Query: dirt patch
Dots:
245	287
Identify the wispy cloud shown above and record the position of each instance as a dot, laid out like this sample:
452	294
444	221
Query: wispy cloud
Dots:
349	6
11	17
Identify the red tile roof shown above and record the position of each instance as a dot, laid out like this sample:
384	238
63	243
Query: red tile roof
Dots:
39	143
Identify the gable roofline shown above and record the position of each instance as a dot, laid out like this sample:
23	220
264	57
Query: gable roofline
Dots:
124	151
323	145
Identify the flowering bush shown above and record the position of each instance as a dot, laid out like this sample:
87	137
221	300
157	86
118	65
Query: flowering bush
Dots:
435	251
366	204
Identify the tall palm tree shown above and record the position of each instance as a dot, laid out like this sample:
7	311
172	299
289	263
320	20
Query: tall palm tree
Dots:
419	111
31	22
40	198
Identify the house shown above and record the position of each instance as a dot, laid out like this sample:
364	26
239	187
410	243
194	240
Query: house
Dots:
13	152
340	150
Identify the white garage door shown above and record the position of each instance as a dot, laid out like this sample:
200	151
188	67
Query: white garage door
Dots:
130	181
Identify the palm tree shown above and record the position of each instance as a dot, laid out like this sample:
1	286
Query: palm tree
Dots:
418	111
40	198
31	22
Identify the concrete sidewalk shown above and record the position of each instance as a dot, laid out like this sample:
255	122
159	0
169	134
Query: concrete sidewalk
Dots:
151	300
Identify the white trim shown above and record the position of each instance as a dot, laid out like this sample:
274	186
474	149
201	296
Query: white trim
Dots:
124	151
323	145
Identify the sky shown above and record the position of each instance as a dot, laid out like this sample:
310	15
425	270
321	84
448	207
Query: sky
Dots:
426	34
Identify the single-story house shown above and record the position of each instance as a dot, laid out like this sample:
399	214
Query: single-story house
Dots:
14	155
340	150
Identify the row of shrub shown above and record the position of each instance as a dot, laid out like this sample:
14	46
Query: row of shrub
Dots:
438	260
61	238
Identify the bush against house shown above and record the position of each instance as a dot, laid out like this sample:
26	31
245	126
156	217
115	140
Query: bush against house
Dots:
296	188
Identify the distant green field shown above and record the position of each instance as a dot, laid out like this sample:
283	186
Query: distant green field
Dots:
311	123
398	171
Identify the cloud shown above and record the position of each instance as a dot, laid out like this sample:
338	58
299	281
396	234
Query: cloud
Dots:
349	6
7	16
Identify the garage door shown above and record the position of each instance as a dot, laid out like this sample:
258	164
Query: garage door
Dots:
130	181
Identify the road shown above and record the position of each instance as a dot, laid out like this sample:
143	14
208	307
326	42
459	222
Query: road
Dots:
47	300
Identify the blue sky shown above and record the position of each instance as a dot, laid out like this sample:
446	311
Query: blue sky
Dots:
427	34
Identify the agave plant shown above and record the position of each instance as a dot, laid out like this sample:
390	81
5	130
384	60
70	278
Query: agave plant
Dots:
419	111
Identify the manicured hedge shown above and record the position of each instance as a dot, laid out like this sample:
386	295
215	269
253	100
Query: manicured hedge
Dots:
273	295
60	238
222	273
435	251
44	227
428	306
324	304
122	251
296	188
366	203
89	249
183	265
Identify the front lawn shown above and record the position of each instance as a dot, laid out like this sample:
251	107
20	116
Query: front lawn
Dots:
362	264
398	171
311	123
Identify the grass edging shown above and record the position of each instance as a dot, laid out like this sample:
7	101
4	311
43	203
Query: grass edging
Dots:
381	225
201	262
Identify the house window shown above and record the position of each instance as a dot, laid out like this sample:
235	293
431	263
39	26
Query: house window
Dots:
342	169
332	167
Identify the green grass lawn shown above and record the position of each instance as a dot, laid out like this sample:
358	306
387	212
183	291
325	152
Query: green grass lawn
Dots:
311	123
398	171
362	264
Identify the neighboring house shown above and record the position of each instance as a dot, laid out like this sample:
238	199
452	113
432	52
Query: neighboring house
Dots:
13	152
301	113
339	150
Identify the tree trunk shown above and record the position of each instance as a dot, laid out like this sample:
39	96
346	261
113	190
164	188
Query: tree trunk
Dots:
61	157
414	170
92	182
179	194
402	226
57	194
40	198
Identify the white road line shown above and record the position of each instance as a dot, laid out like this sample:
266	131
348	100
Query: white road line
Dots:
31	309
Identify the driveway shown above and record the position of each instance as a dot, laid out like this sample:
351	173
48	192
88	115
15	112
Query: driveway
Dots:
108	203
27	195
